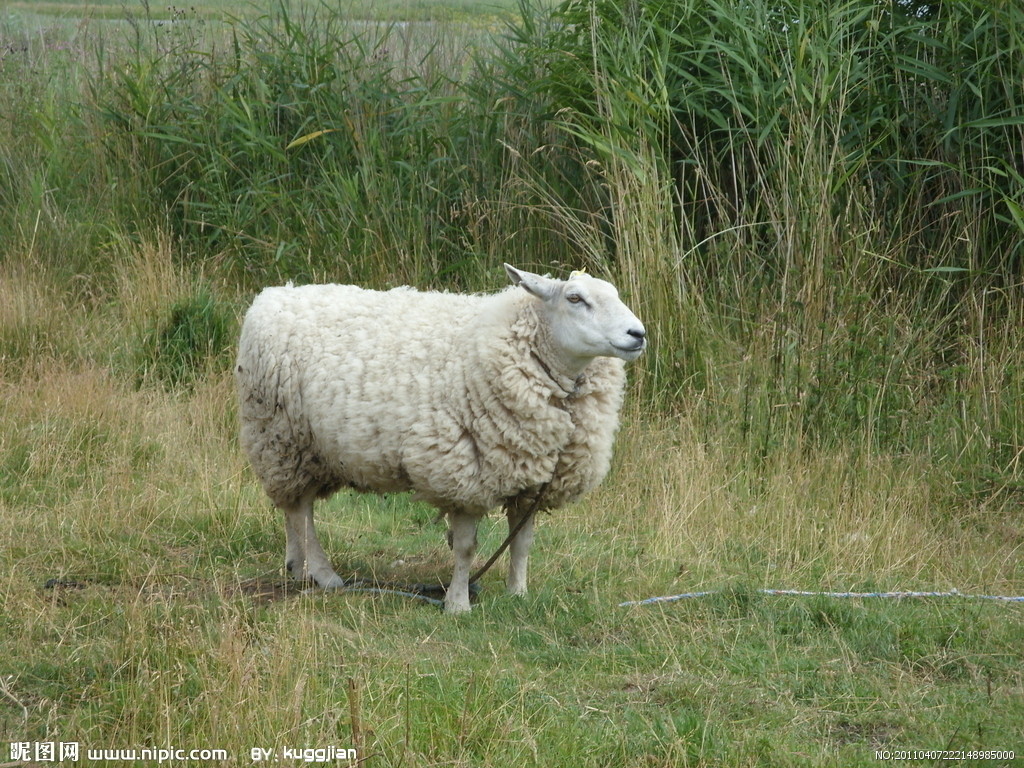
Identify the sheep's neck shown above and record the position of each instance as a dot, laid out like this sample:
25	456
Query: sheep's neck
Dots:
562	381
567	375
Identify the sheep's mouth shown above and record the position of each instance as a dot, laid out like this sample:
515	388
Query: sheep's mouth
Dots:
636	349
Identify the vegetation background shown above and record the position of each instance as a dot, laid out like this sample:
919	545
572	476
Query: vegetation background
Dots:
817	208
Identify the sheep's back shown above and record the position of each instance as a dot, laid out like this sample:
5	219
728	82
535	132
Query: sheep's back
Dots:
334	379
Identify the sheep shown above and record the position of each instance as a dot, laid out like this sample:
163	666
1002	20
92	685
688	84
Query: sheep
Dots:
470	401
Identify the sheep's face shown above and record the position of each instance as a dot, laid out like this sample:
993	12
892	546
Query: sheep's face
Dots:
586	316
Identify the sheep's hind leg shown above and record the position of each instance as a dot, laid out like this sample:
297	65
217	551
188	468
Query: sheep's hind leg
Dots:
304	557
462	530
519	551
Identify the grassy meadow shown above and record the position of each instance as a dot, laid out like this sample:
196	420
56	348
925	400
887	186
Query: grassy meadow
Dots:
817	209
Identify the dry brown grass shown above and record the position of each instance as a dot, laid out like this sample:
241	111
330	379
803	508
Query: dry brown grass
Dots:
692	509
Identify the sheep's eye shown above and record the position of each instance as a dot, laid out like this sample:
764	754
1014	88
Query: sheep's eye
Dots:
574	298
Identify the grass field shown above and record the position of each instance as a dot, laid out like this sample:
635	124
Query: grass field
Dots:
844	418
397	10
171	623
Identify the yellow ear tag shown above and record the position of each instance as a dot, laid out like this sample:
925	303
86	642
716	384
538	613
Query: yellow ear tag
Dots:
577	273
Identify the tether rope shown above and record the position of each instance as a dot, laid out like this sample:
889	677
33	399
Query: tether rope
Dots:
803	593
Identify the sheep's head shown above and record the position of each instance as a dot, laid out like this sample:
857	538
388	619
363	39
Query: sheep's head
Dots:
586	316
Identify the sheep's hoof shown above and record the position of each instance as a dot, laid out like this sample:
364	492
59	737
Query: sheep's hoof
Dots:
330	580
334	581
457	608
298	573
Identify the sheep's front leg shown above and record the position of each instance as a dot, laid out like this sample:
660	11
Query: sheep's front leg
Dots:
304	557
518	551
462	530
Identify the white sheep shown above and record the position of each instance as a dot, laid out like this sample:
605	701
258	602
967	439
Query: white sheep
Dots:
470	401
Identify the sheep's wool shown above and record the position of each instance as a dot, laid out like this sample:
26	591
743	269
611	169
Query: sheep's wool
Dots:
448	395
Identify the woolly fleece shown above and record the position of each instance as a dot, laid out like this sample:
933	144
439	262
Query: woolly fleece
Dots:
448	395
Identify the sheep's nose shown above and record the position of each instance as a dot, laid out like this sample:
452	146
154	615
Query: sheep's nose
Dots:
637	333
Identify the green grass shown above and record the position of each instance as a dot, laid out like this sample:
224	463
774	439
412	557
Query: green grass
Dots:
525	682
832	399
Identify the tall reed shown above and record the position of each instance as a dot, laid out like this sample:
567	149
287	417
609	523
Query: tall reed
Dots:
310	145
831	189
815	206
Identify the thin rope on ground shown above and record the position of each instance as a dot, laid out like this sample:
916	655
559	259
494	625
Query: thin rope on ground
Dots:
378	591
397	593
803	593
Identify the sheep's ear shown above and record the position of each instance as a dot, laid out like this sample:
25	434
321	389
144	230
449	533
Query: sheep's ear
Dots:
538	285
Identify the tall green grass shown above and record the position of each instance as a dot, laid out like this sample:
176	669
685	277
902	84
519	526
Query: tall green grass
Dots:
307	144
819	206
816	206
